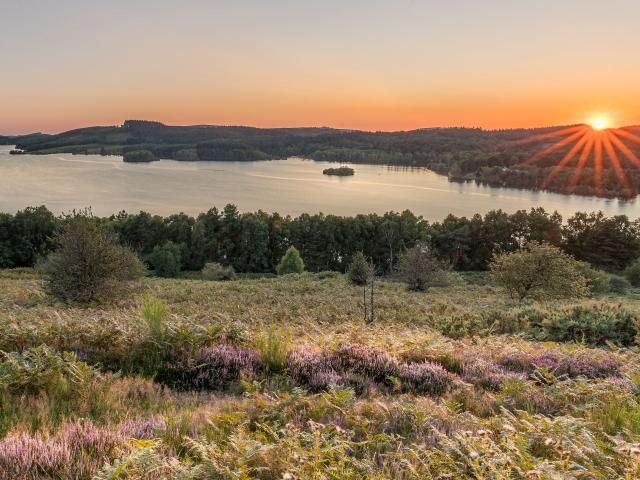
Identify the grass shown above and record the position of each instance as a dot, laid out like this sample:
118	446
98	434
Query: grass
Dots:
281	378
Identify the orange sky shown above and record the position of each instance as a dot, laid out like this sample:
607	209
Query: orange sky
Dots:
375	65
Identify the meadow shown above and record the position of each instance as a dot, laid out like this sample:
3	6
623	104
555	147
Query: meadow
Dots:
275	378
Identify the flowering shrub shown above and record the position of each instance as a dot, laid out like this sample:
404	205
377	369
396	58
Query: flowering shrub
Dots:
211	368
74	452
304	364
593	365
486	374
425	377
364	360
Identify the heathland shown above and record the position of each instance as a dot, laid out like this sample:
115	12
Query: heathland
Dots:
500	158
221	374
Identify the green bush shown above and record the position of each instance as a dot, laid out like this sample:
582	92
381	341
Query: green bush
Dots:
598	281
539	270
359	270
217	272
618	284
595	325
166	259
89	264
291	262
632	273
420	269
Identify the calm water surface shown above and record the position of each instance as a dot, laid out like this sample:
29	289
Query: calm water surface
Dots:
63	182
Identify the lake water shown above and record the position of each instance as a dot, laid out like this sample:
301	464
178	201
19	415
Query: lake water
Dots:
63	182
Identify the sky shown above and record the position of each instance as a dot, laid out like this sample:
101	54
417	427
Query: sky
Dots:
370	64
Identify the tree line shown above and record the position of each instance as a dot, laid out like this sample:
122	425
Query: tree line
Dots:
491	157
256	241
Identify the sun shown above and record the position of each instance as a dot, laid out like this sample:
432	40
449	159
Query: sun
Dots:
599	124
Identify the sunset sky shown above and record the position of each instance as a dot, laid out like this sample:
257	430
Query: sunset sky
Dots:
375	65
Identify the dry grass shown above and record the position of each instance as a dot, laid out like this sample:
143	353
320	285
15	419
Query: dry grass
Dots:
507	425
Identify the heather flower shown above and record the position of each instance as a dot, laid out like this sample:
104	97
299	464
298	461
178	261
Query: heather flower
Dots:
211	368
142	428
590	365
220	365
486	374
312	368
425	377
76	451
365	360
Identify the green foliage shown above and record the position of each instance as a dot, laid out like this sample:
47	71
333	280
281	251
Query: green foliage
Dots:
420	269
139	156
632	273
359	270
595	325
610	243
40	369
598	281
89	265
166	259
218	272
153	312
291	262
26	236
274	348
618	284
539	270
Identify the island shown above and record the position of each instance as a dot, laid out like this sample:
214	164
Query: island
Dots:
139	156
339	172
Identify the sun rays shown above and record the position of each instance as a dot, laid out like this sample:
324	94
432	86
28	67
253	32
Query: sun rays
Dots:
586	146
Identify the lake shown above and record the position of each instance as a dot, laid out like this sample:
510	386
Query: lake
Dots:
63	182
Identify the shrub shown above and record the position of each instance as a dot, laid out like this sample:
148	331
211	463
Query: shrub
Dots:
89	265
291	262
75	452
217	272
303	365
420	269
211	368
425	377
632	273
592	365
539	270
598	281
359	270
364	360
594	325
166	259
486	374
618	284
41	369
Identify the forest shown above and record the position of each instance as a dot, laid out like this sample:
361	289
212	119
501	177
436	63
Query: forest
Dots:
254	242
493	157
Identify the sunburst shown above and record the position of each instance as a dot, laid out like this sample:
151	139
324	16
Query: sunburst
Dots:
592	144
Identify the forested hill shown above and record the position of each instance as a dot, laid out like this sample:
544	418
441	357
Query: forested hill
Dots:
496	157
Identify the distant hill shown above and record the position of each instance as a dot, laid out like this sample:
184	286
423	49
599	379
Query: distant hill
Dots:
493	157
